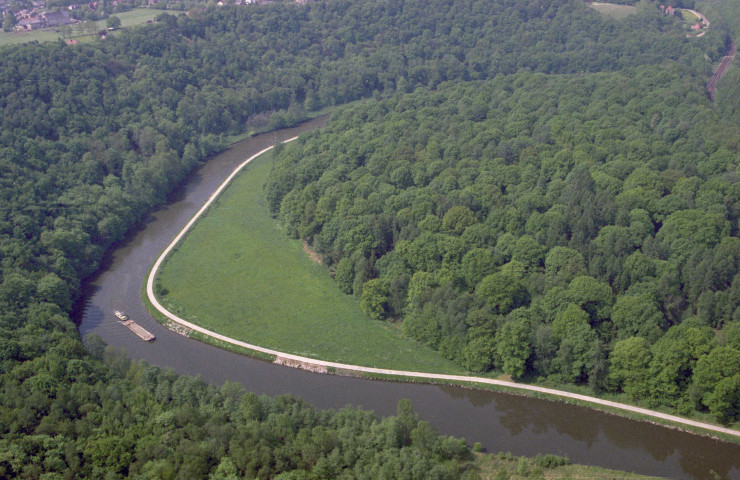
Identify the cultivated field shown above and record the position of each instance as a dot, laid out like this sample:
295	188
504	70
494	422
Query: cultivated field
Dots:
614	11
237	274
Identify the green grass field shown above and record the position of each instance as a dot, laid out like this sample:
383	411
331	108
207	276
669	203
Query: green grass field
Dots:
613	10
689	16
237	274
131	18
14	38
136	16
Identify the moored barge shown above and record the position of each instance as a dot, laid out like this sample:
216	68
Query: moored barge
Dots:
140	331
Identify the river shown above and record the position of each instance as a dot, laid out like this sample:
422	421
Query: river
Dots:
501	422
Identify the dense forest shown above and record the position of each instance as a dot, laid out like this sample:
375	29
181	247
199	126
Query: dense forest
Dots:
581	229
94	136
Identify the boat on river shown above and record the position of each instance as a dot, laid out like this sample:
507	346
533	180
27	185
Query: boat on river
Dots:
140	331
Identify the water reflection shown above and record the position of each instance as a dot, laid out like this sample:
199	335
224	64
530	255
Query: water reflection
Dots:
583	434
476	398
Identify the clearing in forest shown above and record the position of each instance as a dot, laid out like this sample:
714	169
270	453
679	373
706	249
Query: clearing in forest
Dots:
237	273
613	10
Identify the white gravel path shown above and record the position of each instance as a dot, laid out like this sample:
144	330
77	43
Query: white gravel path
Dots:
321	364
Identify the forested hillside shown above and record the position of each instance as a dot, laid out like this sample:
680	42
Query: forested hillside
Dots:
579	229
94	136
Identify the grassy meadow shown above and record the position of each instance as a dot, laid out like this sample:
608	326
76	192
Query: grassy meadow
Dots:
131	18
14	38
238	274
614	10
689	16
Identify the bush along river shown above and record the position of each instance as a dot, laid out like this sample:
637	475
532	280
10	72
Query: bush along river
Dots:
501	422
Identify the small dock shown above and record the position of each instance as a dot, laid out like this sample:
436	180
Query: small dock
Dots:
140	331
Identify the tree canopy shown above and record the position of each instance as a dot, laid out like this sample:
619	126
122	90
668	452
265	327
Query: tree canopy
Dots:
582	211
536	189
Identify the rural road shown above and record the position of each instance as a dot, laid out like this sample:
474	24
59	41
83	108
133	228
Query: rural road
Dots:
321	365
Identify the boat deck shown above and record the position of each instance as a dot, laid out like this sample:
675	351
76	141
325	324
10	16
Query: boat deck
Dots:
140	331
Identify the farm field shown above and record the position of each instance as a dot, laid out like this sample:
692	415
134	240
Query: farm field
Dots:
237	274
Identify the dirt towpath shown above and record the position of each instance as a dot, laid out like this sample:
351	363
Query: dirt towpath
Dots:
324	366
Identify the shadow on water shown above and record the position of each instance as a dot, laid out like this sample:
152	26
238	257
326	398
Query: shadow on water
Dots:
501	422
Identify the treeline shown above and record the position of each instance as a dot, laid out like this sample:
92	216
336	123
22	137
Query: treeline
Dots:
94	136
67	416
89	144
579	229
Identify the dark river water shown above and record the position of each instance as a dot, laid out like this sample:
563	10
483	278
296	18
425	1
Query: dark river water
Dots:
500	422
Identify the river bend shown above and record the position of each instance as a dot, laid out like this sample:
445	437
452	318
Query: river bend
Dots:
501	422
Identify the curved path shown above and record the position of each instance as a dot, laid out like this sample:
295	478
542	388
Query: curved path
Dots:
311	363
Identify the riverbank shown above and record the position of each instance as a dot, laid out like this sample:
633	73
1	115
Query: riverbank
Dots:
641	413
523	425
240	275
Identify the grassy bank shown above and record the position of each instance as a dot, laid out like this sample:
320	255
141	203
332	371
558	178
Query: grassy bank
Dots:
237	274
238	246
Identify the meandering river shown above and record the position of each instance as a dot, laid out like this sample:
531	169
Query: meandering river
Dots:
501	422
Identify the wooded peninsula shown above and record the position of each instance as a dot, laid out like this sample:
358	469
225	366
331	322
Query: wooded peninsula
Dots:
536	189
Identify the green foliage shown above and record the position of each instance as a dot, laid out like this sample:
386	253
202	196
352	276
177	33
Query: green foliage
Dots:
9	22
577	342
731	334
549	460
457	219
717	381
480	353
674	359
345	275
503	292
724	400
513	345
470	187
374	299
144	421
291	304
563	264
585	201
630	359
638	316
113	22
